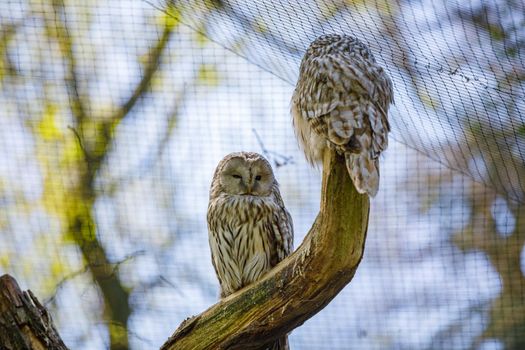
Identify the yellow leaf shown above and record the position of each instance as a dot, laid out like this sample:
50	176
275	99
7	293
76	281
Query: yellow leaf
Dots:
5	261
57	268
118	334
200	35
208	74
53	196
386	7
425	97
3	68
48	128
260	25
71	153
157	82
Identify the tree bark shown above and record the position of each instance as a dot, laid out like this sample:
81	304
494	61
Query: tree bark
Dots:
297	288
24	323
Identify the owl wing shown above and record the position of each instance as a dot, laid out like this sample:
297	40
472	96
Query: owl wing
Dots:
218	256
344	88
282	229
213	239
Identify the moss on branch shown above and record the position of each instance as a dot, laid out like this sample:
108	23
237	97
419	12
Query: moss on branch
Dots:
297	288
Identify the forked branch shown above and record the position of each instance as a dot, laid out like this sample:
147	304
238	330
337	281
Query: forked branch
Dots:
300	286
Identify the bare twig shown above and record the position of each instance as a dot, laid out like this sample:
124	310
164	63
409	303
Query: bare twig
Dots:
154	57
151	160
62	282
278	159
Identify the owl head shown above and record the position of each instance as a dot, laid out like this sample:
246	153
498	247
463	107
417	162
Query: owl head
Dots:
244	173
336	44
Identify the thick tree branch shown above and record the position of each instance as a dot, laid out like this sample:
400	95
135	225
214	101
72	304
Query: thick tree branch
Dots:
24	322
298	287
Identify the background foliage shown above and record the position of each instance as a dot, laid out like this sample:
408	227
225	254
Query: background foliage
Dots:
114	115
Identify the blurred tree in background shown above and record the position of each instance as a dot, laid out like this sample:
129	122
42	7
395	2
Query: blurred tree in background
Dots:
113	116
54	95
495	224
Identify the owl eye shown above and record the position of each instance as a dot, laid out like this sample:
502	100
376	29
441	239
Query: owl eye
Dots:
258	178
236	176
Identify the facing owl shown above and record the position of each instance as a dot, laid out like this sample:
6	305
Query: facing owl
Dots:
341	102
250	230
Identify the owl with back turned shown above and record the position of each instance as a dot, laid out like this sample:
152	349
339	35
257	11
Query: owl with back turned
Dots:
250	230
341	102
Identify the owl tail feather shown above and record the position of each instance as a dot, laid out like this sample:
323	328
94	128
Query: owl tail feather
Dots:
364	172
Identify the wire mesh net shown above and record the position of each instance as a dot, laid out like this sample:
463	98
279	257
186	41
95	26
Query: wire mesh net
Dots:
115	114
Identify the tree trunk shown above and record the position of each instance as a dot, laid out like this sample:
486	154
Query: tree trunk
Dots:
24	322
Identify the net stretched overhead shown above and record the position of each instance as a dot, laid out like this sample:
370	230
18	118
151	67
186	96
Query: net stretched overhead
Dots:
114	116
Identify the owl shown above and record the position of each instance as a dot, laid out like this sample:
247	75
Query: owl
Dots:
250	230
341	103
